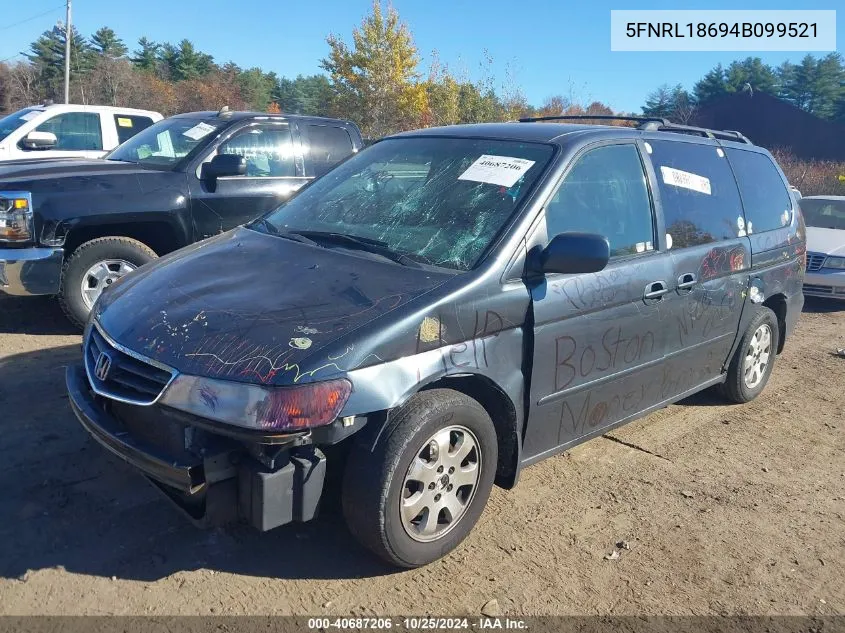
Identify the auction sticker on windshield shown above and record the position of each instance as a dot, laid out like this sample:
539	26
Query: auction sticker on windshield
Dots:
198	131
497	170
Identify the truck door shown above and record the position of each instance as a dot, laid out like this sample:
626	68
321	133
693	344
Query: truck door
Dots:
274	172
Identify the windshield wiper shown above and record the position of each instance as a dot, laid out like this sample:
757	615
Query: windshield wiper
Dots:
271	229
362	243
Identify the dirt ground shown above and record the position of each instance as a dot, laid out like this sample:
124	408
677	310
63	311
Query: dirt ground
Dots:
725	509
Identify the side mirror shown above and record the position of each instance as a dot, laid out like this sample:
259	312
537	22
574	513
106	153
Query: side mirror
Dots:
223	165
39	140
575	253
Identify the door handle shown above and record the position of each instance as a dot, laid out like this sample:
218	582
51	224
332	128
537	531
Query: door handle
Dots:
655	290
687	281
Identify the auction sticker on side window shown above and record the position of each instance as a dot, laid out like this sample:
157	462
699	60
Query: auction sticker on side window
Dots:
198	131
122	122
685	179
497	170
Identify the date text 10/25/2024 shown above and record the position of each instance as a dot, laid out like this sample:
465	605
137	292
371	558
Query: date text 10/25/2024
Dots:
417	623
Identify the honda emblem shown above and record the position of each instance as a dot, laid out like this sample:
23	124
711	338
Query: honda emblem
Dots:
103	366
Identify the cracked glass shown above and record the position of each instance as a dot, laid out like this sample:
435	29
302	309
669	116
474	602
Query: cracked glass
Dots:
409	194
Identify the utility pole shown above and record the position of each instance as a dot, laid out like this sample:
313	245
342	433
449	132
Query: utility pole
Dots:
67	54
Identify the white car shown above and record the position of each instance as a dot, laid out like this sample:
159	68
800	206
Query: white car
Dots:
69	131
825	220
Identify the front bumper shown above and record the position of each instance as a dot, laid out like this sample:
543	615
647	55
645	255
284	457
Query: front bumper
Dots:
826	282
224	484
31	271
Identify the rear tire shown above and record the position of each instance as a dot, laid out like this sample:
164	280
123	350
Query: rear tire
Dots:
425	459
118	254
754	359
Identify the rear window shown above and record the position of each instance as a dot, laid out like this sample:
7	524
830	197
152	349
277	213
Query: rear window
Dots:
764	195
698	192
824	214
327	146
128	125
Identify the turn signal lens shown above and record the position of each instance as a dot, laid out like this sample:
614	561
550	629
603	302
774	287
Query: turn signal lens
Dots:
300	408
15	218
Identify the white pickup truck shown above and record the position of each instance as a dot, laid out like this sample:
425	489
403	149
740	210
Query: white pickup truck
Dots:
69	131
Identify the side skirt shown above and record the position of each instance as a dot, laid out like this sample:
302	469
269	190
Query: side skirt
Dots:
634	416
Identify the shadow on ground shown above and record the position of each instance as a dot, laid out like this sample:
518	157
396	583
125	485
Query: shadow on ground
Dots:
67	502
33	315
817	304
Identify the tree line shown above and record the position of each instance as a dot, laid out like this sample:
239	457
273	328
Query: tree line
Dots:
815	85
376	80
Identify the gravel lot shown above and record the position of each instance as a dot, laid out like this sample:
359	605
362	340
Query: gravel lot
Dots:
725	510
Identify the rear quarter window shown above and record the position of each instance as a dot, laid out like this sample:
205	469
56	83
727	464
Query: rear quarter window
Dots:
767	203
698	193
128	125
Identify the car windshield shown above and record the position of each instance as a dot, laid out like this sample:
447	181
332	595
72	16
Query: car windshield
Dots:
438	201
12	122
826	214
168	143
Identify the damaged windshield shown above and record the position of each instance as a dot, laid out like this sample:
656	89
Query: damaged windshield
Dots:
438	201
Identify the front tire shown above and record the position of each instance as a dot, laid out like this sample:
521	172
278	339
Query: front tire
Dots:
415	494
754	359
92	267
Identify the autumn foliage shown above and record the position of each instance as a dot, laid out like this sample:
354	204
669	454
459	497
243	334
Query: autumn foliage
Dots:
376	79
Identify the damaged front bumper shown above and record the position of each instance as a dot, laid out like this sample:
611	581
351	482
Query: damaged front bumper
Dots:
212	478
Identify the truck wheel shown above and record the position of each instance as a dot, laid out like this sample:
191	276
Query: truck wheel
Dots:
415	492
754	359
93	267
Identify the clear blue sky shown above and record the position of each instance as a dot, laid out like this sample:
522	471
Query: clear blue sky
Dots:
551	47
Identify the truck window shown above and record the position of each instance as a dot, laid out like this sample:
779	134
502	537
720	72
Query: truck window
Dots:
698	193
268	150
128	125
764	195
75	131
327	146
605	192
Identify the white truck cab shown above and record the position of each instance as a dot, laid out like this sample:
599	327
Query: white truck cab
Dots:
69	131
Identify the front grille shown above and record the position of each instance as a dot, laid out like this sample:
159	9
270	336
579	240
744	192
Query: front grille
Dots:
128	379
815	261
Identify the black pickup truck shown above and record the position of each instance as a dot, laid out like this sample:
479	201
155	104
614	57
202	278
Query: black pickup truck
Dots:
72	227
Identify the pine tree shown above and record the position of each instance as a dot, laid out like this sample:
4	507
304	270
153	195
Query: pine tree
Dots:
107	43
47	54
146	56
750	71
711	86
659	103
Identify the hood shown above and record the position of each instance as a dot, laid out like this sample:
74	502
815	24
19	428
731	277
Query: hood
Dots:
51	169
252	307
827	241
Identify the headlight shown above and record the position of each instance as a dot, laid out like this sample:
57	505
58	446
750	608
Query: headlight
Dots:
15	216
834	262
296	408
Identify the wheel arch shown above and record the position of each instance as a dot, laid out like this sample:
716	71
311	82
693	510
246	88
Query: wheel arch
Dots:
777	304
161	236
501	410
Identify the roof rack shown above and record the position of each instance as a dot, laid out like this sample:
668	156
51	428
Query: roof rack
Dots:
650	124
724	135
594	117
